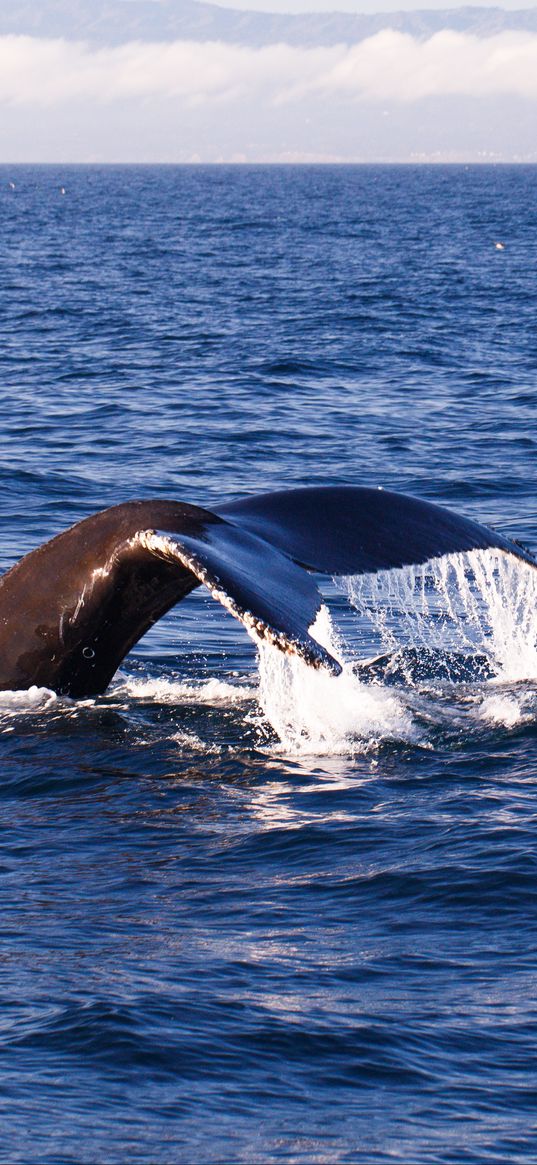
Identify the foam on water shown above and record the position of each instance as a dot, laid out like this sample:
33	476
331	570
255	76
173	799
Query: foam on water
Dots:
30	700
188	741
162	690
504	710
14	704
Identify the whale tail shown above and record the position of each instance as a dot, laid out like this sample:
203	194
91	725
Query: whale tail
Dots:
72	609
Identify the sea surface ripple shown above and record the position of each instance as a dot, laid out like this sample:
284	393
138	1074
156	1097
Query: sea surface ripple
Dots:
249	915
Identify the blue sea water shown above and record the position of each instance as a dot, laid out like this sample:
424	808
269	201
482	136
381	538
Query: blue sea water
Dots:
224	939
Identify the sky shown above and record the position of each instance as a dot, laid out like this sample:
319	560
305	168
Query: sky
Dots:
452	97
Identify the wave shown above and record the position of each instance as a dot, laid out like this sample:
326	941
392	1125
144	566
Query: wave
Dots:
163	690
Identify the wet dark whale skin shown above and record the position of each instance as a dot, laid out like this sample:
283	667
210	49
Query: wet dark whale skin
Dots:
40	640
72	609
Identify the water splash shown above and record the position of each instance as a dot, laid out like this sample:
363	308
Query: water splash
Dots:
481	601
316	713
480	605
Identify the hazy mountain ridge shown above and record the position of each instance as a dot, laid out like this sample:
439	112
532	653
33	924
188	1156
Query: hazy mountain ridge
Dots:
100	22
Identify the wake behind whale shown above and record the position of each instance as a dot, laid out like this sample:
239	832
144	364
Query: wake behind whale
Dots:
71	610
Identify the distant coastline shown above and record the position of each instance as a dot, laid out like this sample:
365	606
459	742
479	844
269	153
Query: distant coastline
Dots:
105	22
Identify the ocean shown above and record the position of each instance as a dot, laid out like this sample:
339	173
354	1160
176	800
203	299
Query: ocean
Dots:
252	912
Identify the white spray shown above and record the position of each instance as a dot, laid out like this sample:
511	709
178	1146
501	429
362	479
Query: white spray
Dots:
479	602
317	713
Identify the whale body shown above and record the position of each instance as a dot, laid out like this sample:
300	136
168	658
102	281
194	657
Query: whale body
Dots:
72	609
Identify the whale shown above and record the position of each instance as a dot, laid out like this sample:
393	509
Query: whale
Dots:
72	609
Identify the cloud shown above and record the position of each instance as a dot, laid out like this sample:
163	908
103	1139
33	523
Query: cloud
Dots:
395	66
390	66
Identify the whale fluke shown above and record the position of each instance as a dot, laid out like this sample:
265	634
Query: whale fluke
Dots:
356	530
72	609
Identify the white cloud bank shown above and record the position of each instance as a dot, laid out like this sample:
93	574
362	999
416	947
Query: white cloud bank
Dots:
390	66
